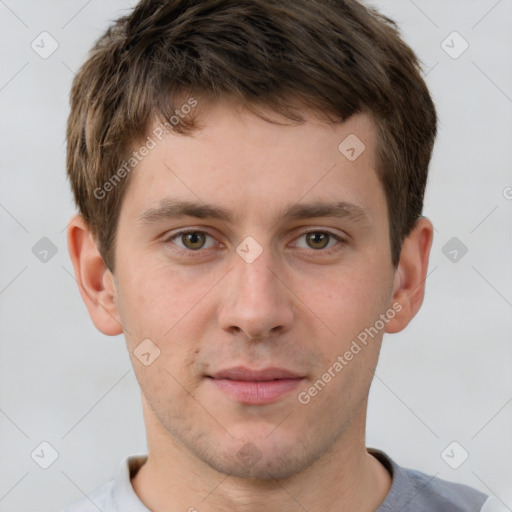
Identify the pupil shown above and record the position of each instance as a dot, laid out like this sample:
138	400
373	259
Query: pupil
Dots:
319	238
193	239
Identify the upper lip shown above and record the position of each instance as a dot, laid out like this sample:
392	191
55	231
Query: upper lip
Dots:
242	373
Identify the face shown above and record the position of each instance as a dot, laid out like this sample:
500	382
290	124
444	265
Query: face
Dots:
255	246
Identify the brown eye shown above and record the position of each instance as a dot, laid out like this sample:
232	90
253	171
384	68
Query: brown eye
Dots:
317	239
189	241
193	240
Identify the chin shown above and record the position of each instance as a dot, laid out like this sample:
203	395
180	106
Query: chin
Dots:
259	457
267	467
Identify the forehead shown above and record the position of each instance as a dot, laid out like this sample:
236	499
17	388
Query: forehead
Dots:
239	161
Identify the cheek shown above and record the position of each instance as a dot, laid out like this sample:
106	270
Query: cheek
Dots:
153	301
167	309
348	299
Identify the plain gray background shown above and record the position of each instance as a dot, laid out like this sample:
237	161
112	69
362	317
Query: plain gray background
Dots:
446	378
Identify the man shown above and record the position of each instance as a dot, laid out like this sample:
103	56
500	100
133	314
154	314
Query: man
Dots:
250	179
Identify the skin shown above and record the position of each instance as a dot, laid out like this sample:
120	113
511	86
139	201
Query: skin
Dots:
294	307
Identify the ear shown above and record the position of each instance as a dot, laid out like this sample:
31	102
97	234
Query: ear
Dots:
95	281
410	275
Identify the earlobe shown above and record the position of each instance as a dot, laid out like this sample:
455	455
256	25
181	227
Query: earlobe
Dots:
94	279
411	274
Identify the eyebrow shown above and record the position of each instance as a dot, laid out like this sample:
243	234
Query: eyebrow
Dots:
173	209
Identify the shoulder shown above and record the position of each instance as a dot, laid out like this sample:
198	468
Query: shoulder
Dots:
117	495
94	501
437	494
415	491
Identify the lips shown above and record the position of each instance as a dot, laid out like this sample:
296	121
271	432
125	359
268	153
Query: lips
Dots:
256	387
266	374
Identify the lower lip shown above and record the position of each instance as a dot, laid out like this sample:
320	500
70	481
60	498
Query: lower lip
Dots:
257	392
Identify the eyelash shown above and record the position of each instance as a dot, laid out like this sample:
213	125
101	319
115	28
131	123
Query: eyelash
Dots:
190	252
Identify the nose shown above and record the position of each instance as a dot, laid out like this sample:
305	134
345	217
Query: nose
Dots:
256	300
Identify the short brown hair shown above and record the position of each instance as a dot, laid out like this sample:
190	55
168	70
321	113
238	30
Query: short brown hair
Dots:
336	57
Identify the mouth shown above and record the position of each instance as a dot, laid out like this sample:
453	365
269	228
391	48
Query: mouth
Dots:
256	387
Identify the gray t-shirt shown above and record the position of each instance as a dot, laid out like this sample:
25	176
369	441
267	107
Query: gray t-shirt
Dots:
411	491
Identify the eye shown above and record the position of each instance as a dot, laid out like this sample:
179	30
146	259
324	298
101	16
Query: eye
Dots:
318	240
192	240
